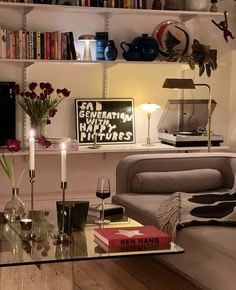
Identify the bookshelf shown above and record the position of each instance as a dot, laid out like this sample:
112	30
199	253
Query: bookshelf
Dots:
106	13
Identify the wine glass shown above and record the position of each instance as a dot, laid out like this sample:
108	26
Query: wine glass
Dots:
103	191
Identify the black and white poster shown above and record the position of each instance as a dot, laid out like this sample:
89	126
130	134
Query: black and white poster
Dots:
112	120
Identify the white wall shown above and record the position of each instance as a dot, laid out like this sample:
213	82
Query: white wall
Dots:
139	81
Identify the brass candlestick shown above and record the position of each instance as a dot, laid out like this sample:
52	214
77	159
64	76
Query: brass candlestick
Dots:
94	146
62	237
33	235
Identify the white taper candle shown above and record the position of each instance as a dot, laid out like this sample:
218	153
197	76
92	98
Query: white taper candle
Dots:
63	162
31	150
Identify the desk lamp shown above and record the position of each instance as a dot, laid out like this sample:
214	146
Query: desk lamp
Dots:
87	38
189	84
149	109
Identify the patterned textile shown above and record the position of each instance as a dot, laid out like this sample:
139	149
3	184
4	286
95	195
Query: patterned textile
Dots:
187	209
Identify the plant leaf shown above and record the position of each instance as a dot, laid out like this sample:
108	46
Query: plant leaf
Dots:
6	166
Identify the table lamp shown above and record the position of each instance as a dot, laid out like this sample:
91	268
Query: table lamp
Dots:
87	38
149	109
189	84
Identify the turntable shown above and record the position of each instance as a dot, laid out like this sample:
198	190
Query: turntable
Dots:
184	123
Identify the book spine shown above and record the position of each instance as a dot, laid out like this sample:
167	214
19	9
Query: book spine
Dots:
47	45
38	45
20	39
12	45
27	45
151	241
8	53
125	4
72	45
3	47
17	44
144	4
58	36
31	45
52	46
23	45
42	45
67	45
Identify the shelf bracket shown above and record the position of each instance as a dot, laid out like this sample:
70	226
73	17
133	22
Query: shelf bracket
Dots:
27	10
105	81
105	74
27	64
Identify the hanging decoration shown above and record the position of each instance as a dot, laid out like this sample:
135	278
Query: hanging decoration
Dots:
223	25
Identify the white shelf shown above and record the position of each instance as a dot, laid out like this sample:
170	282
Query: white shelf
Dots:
185	15
126	148
29	62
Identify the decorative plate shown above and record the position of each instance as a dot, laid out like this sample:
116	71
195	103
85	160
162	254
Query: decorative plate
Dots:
173	39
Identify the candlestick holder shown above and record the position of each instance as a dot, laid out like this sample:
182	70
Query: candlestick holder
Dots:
94	146
62	237
34	236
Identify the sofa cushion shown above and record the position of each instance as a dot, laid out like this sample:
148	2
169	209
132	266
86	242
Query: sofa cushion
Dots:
196	180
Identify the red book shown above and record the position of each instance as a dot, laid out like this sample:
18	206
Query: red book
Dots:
132	236
117	249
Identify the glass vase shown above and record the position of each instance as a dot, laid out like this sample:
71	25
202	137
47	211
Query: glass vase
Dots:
39	128
15	209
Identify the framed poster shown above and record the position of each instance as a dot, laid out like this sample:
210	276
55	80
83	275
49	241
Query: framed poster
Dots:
112	120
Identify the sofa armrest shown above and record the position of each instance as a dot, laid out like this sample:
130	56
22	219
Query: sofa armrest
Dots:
128	167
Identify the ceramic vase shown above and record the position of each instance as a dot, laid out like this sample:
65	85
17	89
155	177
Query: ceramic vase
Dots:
110	51
15	209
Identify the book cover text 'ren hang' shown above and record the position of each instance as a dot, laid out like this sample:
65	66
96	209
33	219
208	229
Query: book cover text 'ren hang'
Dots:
132	236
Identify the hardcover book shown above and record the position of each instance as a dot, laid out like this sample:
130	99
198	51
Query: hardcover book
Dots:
71	45
132	236
136	248
3	45
109	209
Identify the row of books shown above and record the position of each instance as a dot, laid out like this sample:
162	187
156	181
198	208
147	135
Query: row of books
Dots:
141	238
37	45
133	4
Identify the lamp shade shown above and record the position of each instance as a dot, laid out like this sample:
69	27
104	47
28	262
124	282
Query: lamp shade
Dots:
86	37
149	108
179	84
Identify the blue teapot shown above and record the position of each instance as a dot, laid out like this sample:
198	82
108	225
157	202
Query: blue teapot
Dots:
142	48
130	51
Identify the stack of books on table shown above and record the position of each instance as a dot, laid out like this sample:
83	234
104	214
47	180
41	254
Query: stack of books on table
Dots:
122	239
110	209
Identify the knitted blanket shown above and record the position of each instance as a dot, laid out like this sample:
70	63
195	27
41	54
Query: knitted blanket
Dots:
191	209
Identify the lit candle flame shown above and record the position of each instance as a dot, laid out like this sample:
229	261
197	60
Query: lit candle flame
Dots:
63	146
31	133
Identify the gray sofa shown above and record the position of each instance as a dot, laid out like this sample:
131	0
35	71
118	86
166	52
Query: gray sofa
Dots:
144	181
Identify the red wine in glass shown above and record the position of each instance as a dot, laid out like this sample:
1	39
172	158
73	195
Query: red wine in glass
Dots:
103	191
103	194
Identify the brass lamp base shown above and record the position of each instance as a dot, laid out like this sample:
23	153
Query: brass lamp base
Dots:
148	143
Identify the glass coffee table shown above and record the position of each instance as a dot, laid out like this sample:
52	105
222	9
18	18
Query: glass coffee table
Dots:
16	250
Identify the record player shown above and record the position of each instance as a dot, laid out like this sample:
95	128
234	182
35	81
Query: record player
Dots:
184	123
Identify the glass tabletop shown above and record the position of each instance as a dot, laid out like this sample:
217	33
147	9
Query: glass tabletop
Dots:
16	249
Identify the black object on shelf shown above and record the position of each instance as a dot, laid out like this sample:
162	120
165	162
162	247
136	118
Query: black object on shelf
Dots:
7	112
